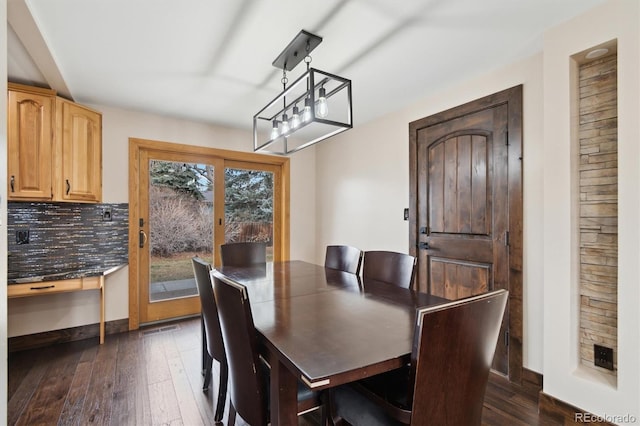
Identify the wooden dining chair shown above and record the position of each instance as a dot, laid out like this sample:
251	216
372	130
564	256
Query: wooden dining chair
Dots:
445	383
343	258
212	335
243	254
390	267
248	373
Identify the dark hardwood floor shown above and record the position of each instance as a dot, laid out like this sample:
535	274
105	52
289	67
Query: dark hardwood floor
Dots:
152	377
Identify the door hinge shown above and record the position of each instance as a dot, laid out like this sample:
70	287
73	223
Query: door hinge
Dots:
506	137
506	238
506	337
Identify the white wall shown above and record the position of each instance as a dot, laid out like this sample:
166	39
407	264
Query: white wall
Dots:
564	378
3	211
363	182
33	315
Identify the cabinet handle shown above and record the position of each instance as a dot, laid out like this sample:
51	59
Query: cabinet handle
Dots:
13	182
44	287
68	186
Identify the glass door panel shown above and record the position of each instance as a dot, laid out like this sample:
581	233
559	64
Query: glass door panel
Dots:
248	206
179	210
180	226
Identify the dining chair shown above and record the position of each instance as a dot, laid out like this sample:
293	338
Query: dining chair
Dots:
343	258
243	254
248	373
212	335
445	383
390	267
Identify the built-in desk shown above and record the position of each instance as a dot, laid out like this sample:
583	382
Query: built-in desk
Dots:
65	282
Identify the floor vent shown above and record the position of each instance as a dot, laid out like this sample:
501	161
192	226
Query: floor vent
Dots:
160	330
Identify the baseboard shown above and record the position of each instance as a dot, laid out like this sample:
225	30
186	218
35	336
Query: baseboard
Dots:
531	381
48	338
566	414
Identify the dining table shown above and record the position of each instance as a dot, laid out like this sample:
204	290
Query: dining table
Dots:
325	327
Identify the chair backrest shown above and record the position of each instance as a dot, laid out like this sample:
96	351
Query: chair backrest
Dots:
239	333
343	258
215	345
453	349
390	267
243	254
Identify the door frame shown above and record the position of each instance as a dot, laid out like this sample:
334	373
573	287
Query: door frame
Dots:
512	97
137	146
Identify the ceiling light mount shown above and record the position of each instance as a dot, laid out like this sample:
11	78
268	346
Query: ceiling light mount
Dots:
281	127
301	46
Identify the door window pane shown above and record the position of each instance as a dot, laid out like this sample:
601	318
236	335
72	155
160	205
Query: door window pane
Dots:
248	207
180	226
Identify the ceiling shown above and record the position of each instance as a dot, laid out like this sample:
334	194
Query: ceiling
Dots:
210	60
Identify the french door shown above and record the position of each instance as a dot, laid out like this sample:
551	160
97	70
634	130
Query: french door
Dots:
187	201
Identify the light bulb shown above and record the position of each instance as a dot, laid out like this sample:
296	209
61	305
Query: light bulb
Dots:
285	124
306	113
322	107
274	130
295	118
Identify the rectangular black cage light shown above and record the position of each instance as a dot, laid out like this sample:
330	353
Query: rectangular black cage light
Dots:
313	108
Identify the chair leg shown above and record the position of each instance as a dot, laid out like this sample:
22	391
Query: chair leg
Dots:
207	374
222	391
205	353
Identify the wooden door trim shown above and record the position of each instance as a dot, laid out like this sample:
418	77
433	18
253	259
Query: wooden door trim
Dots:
512	97
137	145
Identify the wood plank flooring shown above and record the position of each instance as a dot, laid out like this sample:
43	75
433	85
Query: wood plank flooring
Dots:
153	377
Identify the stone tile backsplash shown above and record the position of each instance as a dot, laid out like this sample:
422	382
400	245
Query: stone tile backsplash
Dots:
65	237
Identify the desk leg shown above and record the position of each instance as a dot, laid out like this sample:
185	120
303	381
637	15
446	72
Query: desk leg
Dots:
284	395
101	310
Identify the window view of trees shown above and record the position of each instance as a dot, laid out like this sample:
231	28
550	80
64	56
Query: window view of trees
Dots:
181	213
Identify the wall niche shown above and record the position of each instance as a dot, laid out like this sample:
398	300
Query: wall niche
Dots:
597	104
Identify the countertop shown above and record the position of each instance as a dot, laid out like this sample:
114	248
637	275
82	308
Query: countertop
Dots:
63	274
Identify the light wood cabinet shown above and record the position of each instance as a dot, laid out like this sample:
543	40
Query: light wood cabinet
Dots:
78	153
54	148
30	141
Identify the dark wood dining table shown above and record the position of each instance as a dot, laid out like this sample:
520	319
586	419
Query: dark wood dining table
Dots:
325	327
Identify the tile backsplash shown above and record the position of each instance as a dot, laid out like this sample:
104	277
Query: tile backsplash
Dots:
55	237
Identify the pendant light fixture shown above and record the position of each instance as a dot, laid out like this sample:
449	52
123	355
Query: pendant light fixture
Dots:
282	127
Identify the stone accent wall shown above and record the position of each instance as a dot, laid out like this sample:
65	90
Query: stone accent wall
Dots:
598	130
66	237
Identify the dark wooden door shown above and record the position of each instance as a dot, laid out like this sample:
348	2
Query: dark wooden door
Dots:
462	207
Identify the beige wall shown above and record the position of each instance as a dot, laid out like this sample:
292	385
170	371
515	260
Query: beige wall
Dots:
564	377
33	315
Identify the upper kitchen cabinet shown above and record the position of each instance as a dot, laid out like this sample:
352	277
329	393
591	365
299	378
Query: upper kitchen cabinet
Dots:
78	153
54	148
30	141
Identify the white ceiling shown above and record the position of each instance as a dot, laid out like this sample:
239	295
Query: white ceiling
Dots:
210	60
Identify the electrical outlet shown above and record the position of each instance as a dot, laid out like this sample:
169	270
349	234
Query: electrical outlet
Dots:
22	236
603	357
106	215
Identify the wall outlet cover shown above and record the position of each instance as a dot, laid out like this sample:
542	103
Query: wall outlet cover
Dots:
603	357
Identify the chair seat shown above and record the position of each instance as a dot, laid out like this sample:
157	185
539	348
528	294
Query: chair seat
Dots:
391	387
357	409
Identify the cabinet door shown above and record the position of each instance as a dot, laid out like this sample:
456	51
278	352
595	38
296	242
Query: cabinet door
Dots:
78	153
30	136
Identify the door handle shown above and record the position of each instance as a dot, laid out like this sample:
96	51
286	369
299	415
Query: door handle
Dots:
142	239
423	245
68	186
13	183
